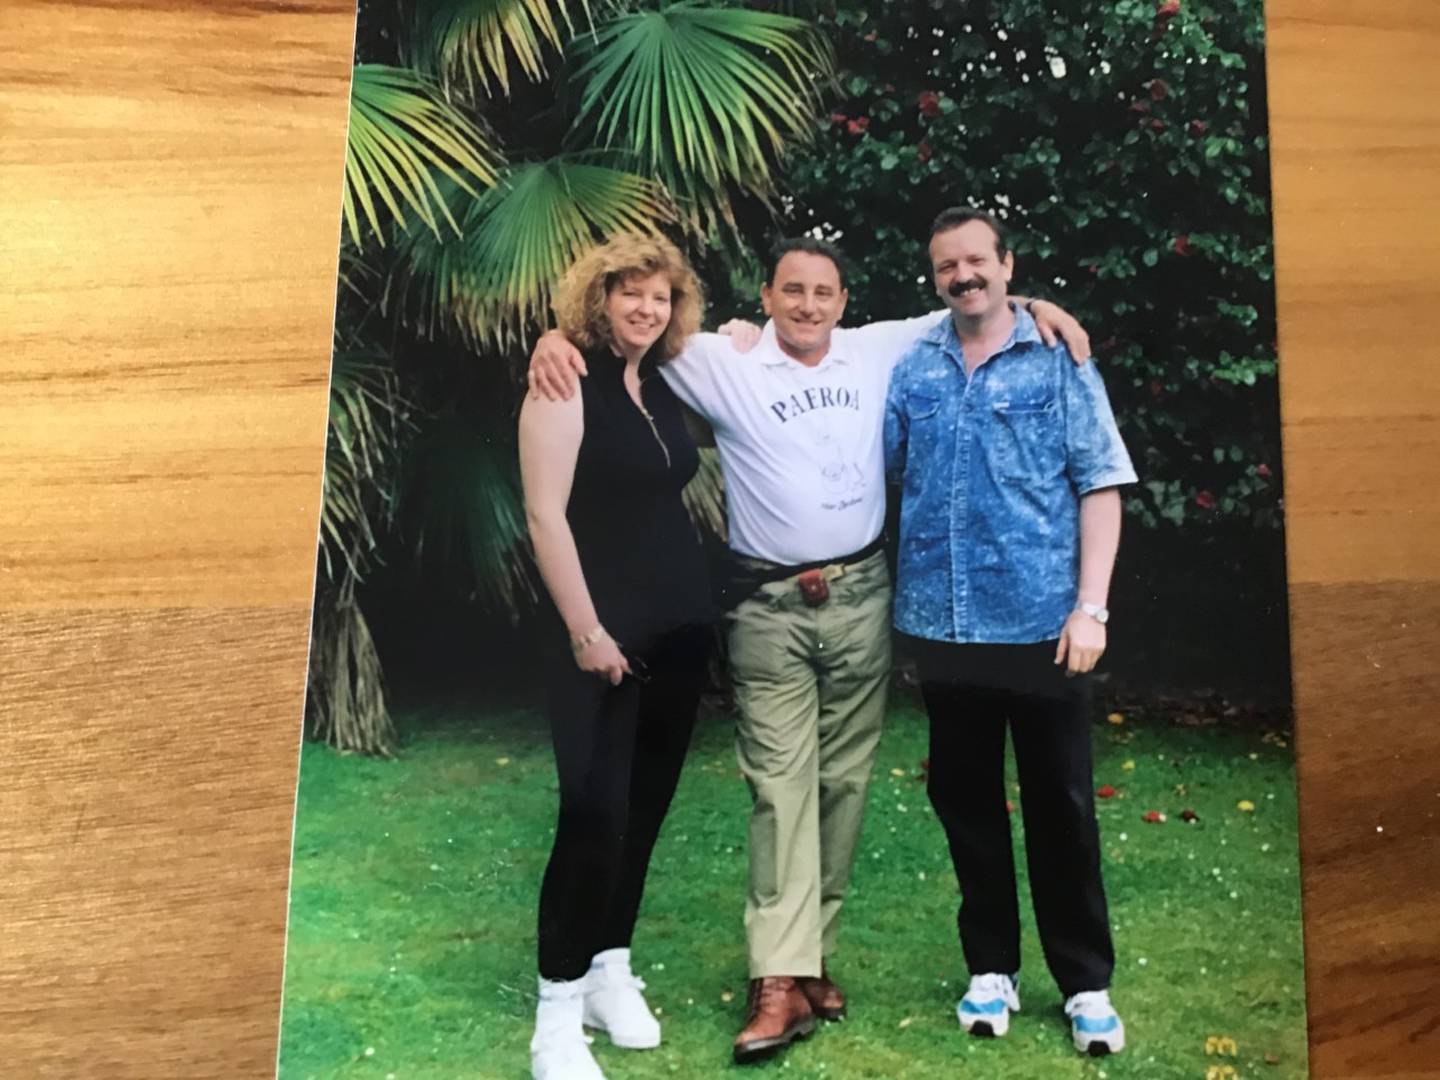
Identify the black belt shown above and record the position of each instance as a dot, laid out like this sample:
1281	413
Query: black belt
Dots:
738	577
775	572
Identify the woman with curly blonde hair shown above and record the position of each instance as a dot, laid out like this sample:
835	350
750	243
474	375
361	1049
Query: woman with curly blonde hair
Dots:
602	473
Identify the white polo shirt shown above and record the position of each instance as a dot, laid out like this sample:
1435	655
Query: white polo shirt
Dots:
801	447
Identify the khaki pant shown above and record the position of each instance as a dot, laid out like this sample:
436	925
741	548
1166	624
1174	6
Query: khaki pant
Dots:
810	685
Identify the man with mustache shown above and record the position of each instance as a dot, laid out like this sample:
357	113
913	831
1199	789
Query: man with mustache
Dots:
798	423
1010	464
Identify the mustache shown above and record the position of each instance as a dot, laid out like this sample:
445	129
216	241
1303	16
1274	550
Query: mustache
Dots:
960	288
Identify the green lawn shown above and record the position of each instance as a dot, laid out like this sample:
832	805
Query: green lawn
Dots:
411	948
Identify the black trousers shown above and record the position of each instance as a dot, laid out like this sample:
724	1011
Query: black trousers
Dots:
972	692
618	752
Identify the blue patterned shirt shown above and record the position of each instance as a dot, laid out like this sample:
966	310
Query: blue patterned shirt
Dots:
992	468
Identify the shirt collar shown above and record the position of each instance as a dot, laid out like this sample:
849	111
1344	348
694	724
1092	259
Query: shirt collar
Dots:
774	356
604	359
944	337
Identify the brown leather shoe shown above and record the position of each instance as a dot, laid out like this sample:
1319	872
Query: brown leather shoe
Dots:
826	999
777	1013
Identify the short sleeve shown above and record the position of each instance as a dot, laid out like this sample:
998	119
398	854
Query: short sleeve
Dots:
1095	454
887	342
696	375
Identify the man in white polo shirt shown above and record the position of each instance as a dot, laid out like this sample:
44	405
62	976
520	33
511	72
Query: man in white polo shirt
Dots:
799	427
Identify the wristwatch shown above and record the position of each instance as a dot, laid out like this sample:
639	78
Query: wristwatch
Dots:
1095	611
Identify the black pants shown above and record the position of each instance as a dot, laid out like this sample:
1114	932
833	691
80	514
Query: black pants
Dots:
971	692
618	752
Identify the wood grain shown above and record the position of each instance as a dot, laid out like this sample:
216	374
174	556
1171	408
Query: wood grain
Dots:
1355	156
169	208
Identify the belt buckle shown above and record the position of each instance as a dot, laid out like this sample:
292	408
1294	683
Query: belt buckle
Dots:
814	588
815	584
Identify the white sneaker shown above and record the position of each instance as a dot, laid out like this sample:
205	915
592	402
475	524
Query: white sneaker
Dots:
560	1049
985	1009
1094	1024
614	1004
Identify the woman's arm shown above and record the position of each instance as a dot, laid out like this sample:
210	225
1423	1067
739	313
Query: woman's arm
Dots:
550	434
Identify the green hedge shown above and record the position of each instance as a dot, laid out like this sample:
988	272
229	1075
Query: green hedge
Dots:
1126	145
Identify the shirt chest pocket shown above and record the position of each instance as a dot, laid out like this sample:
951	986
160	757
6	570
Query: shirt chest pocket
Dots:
1026	439
924	419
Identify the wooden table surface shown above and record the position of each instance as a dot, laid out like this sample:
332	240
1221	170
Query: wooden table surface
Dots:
169	217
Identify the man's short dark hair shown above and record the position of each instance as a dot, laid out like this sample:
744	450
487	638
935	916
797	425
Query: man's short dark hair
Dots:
956	216
807	245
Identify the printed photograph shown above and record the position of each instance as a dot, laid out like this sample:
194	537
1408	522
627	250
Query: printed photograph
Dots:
801	581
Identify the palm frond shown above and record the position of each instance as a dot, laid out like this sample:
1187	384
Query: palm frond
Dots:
708	99
462	509
402	134
366	421
495	282
704	495
474	40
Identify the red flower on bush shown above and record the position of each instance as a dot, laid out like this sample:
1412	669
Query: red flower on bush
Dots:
1205	500
1156	388
929	103
858	125
1105	792
924	151
1198	127
838	118
1159	89
1167	9
1141	106
1262	469
1157	124
1182	244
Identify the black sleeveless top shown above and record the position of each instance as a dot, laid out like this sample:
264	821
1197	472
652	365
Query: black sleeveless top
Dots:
639	549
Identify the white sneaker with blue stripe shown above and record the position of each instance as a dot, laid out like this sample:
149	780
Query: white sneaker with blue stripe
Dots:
1093	1023
985	1009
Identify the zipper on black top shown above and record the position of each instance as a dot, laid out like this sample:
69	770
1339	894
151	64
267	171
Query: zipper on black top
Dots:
640	390
656	432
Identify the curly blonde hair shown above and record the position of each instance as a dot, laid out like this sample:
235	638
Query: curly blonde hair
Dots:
580	299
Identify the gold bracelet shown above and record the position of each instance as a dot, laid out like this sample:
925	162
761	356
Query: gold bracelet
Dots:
580	644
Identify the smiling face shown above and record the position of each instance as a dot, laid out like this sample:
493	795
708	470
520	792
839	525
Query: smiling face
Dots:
806	300
969	274
638	309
